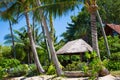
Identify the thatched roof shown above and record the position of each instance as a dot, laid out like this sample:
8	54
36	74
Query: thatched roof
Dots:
76	46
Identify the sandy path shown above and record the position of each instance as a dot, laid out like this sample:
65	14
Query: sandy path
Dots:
50	77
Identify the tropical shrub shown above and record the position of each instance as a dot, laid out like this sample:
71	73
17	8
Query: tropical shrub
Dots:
32	71
75	66
20	70
114	62
115	56
95	66
51	70
6	65
114	45
3	73
5	51
9	63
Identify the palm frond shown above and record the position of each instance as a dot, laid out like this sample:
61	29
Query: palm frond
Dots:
7	37
58	7
8	42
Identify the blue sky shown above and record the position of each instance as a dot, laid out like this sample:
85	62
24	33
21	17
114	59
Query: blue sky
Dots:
60	25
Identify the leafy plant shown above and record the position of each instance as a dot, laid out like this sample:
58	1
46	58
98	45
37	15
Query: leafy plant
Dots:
114	62
51	70
5	52
9	63
32	70
3	73
114	44
75	66
95	66
20	70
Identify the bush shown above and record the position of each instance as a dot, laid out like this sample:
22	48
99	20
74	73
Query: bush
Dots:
95	66
114	45
51	70
75	66
20	70
115	56
114	62
32	70
113	65
6	52
9	63
3	73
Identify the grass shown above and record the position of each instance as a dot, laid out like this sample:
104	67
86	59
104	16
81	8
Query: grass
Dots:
115	73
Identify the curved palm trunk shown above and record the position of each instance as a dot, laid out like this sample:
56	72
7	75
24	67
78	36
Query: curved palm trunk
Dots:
51	27
13	44
94	33
51	46
103	32
33	19
41	70
46	42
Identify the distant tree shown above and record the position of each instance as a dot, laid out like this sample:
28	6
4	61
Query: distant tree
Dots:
79	28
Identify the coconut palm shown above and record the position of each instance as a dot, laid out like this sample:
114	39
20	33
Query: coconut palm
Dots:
92	8
104	34
57	9
22	41
10	19
21	7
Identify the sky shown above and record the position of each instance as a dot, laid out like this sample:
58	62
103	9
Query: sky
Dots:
60	24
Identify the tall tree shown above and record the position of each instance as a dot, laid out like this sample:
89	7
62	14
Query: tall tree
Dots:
26	8
104	34
44	24
52	7
79	28
92	8
6	17
21	7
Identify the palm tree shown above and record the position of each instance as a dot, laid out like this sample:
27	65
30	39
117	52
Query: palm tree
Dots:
92	8
56	8
44	24
103	32
52	30
53	7
21	7
31	37
11	20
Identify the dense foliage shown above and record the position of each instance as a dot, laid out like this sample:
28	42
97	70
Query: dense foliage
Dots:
113	63
114	44
24	65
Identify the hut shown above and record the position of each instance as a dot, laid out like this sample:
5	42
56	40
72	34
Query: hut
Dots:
75	47
112	29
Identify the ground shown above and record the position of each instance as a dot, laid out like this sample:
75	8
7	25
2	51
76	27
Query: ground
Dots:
52	77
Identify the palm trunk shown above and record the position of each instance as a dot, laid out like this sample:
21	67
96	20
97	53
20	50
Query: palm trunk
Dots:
13	44
41	70
94	34
52	50
103	32
33	19
51	27
46	42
